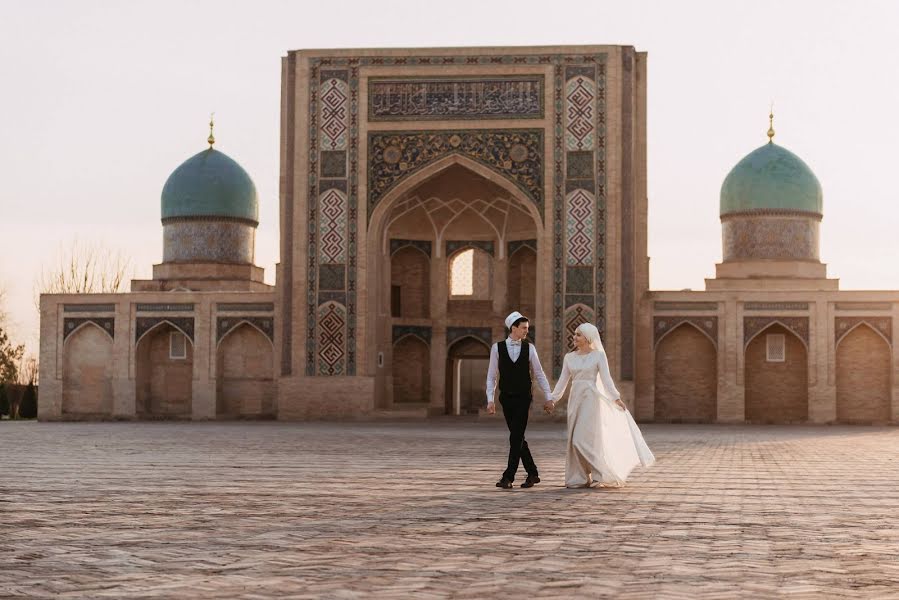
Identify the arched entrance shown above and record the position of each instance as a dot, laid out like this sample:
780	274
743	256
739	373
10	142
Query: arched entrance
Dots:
165	368
686	377
776	367
466	376
87	372
863	376
452	221
245	385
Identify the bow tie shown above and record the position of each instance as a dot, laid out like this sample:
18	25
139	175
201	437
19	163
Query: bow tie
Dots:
514	343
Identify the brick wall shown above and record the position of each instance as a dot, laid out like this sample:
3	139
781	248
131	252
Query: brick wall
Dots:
409	269
523	282
686	377
164	385
776	392
245	385
86	374
863	377
411	371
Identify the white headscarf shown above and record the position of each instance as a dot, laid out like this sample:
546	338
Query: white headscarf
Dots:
591	333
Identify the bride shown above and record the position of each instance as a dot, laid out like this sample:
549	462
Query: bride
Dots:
604	442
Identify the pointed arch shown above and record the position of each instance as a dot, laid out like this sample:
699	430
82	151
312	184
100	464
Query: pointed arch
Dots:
87	364
863	375
871	326
239	323
161	323
87	322
773	323
245	372
686	321
776	392
686	375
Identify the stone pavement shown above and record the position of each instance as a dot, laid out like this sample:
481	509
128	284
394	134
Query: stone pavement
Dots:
409	510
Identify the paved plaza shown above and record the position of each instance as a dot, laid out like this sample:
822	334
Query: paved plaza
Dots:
409	510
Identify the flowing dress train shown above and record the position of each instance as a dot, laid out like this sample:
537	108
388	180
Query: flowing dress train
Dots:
604	442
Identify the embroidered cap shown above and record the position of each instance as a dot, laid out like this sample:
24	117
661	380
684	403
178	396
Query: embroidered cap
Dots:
510	320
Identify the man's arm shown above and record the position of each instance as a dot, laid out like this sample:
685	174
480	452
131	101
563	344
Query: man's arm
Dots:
492	369
537	371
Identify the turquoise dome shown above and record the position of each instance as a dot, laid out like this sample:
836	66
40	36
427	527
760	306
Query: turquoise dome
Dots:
771	178
210	184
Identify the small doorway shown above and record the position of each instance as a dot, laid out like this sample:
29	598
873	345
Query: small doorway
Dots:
466	377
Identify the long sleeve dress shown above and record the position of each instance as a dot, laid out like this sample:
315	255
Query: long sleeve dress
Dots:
604	442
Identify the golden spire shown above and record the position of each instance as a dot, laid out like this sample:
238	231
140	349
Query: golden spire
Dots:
771	124
211	138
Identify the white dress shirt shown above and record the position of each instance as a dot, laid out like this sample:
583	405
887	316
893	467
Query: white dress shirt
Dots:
514	349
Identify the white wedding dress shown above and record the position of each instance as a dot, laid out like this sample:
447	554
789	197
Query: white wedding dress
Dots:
604	442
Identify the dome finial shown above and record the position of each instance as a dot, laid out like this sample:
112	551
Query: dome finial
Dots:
211	138
771	124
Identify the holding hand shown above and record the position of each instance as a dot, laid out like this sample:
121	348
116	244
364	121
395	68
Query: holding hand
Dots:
549	406
491	408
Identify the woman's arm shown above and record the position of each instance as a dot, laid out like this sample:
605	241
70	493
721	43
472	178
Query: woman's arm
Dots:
562	383
606	377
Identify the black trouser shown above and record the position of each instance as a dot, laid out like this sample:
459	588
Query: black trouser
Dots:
516	409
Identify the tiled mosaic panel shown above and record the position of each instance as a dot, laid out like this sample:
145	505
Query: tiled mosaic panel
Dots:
212	241
421	331
516	154
579	228
334	116
144	324
662	325
575	316
564	67
424	245
226	325
770	237
754	325
844	325
331	337
453	334
450	98
70	324
332	226
580	112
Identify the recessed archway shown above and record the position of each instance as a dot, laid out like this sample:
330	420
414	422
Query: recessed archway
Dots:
863	376
87	373
245	386
466	376
412	371
776	377
164	357
686	377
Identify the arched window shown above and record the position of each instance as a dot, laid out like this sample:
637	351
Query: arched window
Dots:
462	274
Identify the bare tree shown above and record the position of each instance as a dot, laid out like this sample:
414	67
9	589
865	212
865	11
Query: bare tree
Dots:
84	268
27	371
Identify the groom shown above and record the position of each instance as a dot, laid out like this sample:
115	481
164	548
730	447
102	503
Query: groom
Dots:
515	359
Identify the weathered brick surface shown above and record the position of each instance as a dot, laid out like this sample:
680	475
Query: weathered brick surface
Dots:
411	371
776	392
245	386
86	375
863	377
409	269
686	381
523	282
260	510
164	385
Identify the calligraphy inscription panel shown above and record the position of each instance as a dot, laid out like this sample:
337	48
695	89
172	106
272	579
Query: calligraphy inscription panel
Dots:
405	99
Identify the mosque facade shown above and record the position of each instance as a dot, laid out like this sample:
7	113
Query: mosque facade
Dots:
424	195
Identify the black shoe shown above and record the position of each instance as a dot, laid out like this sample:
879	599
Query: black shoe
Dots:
504	483
530	481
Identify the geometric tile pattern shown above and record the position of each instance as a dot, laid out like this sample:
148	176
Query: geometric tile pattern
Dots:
183	324
331	339
421	98
226	325
97	510
423	332
580	97
565	67
579	228
516	154
575	316
707	325
335	113
754	325
332	227
882	325
106	324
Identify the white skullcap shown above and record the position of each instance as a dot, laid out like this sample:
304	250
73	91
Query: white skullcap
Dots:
510	320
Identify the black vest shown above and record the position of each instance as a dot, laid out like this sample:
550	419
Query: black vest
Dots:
514	377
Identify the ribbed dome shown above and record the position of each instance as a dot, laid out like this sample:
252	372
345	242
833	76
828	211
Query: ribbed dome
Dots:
771	178
210	184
